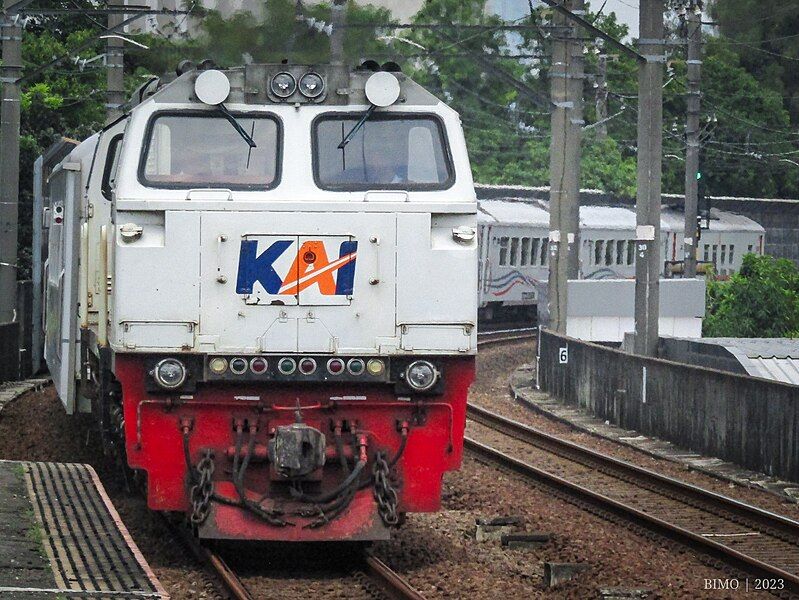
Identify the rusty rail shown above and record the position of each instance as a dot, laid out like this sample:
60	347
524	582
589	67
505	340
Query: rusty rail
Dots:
395	586
770	527
505	336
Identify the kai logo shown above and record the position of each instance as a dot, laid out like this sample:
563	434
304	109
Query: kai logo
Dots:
283	270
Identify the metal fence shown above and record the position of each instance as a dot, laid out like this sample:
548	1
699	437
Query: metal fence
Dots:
751	422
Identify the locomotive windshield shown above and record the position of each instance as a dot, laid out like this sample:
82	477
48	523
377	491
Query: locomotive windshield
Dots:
190	150
387	152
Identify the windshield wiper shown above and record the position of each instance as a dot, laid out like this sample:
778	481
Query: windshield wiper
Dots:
239	129
348	138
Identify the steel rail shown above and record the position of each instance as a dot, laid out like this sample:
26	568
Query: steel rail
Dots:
505	336
764	521
227	577
395	586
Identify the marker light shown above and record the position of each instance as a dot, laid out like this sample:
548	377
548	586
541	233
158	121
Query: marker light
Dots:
335	366
376	367
421	375
218	365
287	366
238	365
258	365
355	366
307	366
170	373
283	85
311	85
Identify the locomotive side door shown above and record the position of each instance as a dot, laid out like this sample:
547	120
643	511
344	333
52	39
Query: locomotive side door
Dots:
61	281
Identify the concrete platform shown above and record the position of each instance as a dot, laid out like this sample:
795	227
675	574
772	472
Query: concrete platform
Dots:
61	538
522	385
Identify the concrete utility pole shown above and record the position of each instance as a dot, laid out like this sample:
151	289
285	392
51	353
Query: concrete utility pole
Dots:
602	96
114	57
338	20
694	35
650	141
566	88
10	72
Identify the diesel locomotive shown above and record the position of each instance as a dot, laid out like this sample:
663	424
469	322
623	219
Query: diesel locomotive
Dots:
262	281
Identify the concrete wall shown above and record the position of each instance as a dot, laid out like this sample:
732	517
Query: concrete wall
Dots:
779	217
748	421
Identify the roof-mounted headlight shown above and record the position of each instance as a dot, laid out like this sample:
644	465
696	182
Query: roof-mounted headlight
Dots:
312	85
283	85
169	373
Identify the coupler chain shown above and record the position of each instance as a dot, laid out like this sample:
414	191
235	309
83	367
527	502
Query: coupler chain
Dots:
384	492
203	491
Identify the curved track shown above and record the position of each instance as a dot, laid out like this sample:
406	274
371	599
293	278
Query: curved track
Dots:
759	543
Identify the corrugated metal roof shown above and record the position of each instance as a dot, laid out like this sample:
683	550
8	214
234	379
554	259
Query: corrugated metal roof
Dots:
769	358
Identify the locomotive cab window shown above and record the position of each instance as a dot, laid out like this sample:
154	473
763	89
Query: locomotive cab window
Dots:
386	152
185	150
110	169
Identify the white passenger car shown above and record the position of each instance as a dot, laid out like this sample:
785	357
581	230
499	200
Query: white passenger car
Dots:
514	233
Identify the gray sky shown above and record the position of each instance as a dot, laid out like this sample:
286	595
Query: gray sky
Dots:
626	12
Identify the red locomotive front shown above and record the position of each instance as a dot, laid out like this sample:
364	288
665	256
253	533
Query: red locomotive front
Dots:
280	339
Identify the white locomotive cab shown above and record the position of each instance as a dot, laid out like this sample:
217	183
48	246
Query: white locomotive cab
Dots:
298	242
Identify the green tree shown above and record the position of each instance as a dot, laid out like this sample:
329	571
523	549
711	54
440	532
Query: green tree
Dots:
761	300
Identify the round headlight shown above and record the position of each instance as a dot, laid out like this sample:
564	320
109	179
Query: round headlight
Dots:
421	375
311	85
218	365
170	373
283	85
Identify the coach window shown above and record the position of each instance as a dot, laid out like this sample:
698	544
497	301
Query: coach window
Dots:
631	252
544	252
599	249
503	251
193	150
534	251
514	251
389	151
620	252
525	252
609	253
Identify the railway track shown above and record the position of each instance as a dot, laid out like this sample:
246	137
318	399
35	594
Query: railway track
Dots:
372	574
504	336
761	544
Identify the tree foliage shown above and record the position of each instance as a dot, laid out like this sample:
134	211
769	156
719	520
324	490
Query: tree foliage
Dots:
497	80
761	300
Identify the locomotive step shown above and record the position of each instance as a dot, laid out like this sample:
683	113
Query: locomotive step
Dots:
60	537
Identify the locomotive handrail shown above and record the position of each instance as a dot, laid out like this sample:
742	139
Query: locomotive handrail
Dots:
102	297
213	193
